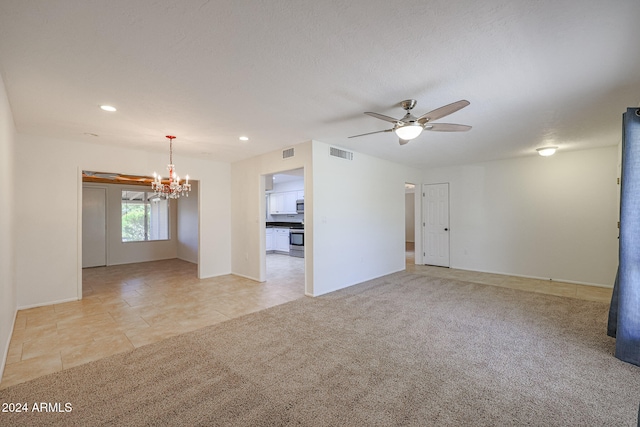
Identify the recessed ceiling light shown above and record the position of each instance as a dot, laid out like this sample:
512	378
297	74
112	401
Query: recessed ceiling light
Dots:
108	108
244	138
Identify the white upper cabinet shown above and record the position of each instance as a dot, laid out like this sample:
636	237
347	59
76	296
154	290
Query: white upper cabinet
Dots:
290	201
283	203
276	202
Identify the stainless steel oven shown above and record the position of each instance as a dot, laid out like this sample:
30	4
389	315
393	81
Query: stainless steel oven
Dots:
296	242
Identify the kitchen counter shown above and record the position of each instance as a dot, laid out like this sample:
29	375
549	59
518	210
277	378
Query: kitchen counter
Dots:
292	225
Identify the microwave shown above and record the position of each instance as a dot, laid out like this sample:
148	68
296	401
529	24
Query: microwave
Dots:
300	206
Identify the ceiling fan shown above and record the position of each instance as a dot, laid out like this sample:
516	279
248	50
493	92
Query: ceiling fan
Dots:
410	127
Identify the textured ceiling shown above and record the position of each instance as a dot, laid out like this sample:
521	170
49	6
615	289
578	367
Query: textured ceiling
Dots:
536	73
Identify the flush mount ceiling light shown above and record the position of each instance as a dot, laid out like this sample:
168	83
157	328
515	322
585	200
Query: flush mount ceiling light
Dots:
546	151
108	108
173	189
243	138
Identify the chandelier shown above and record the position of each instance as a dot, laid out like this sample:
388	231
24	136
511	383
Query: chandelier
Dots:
173	189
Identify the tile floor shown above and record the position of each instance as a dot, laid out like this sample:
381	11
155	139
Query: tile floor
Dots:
128	306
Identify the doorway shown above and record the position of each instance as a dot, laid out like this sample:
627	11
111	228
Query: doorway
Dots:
409	223
435	211
284	218
100	224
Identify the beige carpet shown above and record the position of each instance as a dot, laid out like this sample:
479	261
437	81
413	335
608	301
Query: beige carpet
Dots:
405	349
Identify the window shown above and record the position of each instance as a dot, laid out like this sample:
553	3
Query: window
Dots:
145	217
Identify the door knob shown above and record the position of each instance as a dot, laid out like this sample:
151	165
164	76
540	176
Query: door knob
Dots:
446	229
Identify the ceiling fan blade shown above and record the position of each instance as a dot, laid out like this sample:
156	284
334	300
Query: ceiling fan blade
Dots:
446	127
441	112
382	117
404	141
371	133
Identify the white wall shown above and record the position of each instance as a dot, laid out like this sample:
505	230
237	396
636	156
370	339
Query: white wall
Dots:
551	218
8	303
249	209
47	251
358	218
188	225
354	216
294	185
131	252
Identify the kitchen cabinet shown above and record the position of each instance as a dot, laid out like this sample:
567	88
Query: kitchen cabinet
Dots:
290	198
300	195
270	241
283	203
281	240
275	202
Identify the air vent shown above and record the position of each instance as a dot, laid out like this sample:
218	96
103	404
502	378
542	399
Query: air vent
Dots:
287	153
336	152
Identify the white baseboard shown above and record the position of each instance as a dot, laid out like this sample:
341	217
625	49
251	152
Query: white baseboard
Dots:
43	304
247	277
5	353
573	282
211	276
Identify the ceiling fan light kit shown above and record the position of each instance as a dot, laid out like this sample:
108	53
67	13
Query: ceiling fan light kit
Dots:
409	132
410	127
547	151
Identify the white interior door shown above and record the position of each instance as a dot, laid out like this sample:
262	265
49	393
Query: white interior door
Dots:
94	225
435	211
